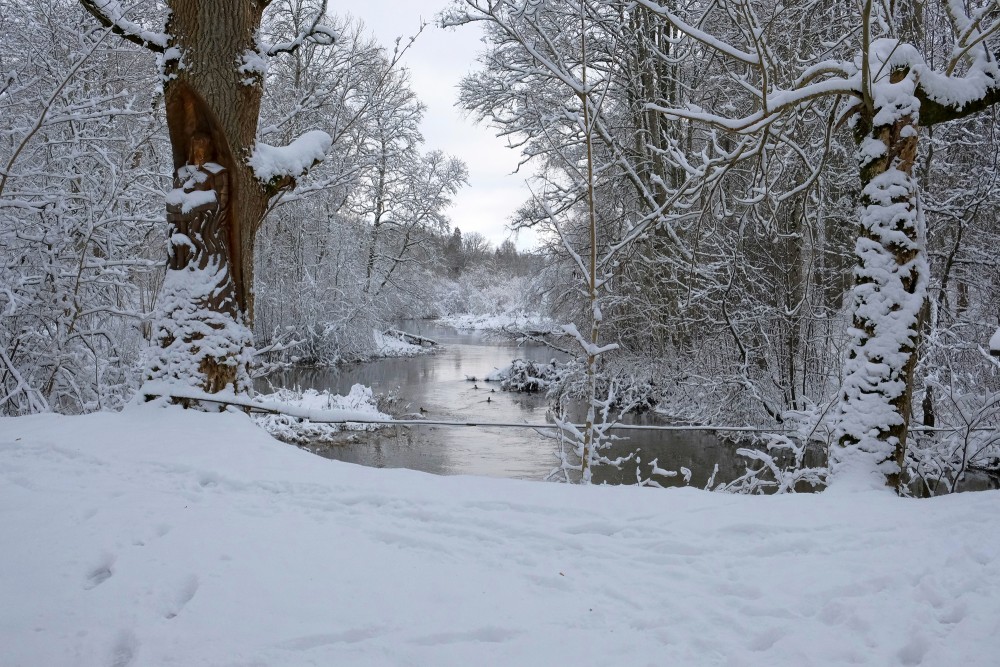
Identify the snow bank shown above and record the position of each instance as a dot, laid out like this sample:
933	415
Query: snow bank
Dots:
359	400
390	346
170	537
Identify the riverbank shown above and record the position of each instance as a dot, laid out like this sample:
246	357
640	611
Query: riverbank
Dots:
360	400
161	536
516	322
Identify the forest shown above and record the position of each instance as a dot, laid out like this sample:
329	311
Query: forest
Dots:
774	215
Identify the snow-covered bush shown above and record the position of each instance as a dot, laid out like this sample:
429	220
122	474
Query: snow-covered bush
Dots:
527	376
938	461
780	468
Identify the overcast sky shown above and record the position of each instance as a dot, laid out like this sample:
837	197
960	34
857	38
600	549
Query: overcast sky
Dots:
437	62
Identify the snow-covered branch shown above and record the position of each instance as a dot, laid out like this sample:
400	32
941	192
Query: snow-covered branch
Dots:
292	161
111	15
705	38
314	33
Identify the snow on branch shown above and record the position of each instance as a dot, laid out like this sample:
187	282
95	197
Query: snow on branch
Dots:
319	34
700	35
588	347
111	15
778	102
943	97
315	33
294	160
530	8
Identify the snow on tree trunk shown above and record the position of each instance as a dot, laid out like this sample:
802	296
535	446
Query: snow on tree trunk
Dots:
890	289
199	334
213	105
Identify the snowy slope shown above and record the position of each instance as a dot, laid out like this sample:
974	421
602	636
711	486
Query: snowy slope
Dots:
164	537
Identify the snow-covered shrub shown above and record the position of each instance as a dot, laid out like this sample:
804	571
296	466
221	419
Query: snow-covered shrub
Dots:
630	385
656	471
527	376
81	211
938	461
780	468
578	454
792	461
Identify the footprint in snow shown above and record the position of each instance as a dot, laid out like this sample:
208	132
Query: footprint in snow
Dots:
124	649
488	635
351	636
914	651
184	593
100	573
158	531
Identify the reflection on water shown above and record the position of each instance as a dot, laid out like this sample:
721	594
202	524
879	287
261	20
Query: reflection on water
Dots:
435	385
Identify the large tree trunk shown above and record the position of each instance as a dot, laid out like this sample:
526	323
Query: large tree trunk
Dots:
890	290
206	304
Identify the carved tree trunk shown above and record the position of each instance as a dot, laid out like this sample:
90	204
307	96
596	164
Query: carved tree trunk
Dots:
212	106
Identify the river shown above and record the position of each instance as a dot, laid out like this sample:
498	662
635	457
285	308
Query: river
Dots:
436	386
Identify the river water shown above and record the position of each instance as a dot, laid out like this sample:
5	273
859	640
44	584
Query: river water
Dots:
436	387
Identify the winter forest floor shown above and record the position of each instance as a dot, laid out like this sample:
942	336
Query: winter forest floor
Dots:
169	537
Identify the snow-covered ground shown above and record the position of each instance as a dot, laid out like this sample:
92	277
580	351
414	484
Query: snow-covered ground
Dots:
169	537
516	321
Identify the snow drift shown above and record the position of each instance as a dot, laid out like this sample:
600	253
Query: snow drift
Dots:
169	537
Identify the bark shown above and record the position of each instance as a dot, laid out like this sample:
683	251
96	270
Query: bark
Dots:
212	109
380	206
208	97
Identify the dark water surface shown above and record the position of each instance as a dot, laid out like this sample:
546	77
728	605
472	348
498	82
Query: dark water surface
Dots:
435	386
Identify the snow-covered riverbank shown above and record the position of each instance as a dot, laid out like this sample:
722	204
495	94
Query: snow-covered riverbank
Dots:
511	322
391	346
169	537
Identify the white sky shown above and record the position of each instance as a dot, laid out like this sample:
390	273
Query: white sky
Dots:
437	62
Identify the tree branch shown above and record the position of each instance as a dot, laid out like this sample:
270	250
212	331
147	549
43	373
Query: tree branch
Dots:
320	34
110	14
933	112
